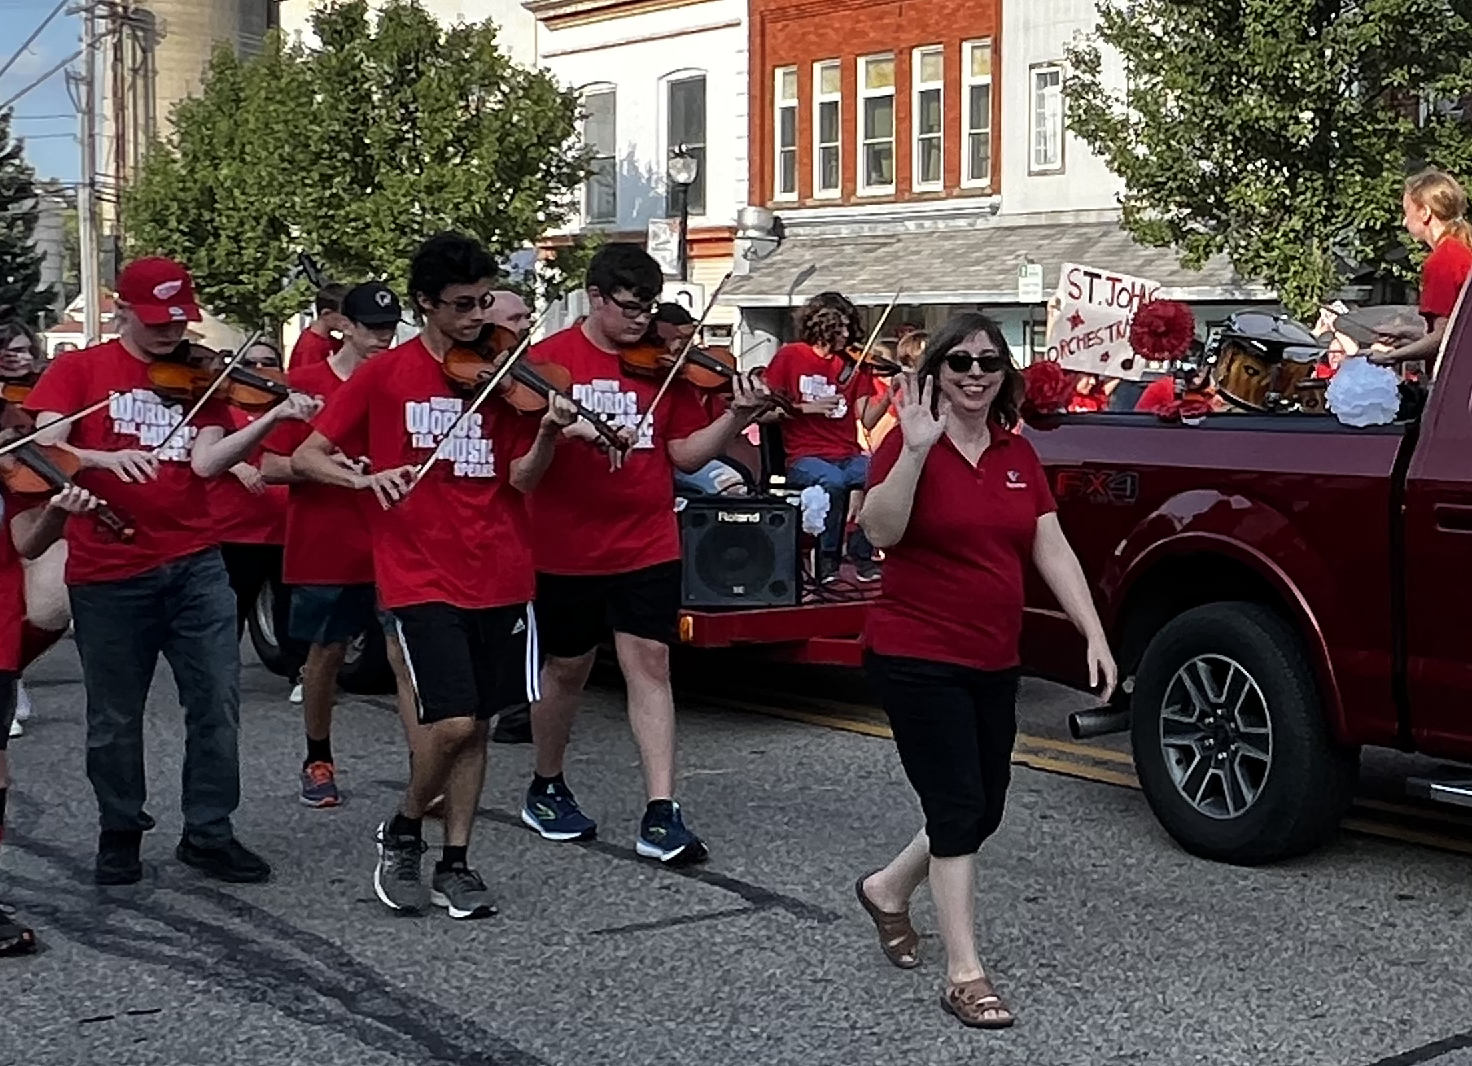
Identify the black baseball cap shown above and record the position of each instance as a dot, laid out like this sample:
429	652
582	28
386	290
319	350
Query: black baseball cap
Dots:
372	304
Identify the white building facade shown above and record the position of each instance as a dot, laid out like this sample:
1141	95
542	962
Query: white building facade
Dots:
657	78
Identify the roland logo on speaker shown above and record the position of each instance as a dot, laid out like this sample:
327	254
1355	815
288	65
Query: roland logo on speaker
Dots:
738	516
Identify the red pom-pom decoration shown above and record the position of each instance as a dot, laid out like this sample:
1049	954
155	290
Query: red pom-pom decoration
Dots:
1189	408
1162	331
1049	388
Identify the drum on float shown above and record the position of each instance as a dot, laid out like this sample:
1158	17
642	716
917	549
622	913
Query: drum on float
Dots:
1260	362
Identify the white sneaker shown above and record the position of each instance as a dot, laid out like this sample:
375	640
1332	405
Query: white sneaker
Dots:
296	693
16	729
22	703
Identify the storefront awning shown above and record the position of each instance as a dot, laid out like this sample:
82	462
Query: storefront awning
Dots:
975	265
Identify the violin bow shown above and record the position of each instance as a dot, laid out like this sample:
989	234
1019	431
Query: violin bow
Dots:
214	387
710	305
848	372
55	423
485	393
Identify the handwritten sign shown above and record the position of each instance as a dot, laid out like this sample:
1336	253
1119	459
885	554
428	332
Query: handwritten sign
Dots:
1089	321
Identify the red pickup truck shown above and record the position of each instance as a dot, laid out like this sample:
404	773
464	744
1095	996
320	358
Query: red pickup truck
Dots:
1281	590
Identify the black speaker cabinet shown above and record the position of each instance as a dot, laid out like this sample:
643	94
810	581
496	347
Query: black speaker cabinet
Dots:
739	552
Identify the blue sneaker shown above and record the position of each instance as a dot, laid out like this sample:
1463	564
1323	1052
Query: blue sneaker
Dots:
553	813
663	836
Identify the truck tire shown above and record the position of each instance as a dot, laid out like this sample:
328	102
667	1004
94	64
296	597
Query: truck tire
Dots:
1229	738
365	669
266	624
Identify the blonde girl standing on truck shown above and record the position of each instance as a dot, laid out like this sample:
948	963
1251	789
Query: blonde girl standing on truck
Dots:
1435	207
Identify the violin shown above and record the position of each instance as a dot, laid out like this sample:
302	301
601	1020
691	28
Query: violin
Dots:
855	358
187	373
14	391
44	470
525	388
703	369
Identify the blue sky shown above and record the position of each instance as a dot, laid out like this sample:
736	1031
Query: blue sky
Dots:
53	156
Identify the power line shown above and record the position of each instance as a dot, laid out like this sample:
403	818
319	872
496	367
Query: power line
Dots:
75	55
32	38
70	115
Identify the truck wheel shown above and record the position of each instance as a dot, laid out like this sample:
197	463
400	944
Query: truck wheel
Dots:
1230	742
267	625
365	669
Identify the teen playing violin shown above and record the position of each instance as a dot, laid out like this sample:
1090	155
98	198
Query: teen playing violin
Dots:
329	553
163	591
608	549
452	555
822	440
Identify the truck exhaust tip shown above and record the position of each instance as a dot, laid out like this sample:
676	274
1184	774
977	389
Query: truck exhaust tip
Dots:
1097	723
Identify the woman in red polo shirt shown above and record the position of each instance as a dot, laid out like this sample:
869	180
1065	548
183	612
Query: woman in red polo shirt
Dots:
1435	206
961	504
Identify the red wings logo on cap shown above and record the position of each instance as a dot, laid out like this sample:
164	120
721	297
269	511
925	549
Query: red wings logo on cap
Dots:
384	297
167	290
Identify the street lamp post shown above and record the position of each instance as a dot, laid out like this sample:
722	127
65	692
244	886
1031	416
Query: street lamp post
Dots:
684	168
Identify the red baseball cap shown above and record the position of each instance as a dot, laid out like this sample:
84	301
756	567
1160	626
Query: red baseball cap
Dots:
158	291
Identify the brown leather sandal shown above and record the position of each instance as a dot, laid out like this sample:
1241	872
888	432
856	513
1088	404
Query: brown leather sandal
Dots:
976	1003
897	937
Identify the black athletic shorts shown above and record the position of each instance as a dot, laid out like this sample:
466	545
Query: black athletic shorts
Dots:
469	663
577	612
9	690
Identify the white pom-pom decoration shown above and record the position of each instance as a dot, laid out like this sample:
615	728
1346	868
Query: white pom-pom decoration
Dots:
814	503
1363	394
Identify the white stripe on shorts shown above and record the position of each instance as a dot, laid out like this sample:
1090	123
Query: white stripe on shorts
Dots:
409	665
533	657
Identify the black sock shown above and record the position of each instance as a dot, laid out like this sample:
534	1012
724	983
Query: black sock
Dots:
660	806
318	750
3	792
452	857
540	783
403	826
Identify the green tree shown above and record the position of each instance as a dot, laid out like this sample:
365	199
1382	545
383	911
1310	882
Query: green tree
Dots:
21	292
357	150
1277	132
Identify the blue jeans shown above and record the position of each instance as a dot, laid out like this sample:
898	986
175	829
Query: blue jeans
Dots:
838	479
185	610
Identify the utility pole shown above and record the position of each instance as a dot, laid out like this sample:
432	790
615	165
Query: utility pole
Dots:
87	192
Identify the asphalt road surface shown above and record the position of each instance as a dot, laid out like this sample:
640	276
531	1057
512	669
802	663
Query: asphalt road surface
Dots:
1112	946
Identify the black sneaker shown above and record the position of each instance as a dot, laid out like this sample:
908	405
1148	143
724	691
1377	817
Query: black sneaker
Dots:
15	939
232	862
117	857
462	893
866	570
398	879
663	836
828	568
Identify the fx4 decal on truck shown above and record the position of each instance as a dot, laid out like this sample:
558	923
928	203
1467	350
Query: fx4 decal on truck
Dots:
1097	486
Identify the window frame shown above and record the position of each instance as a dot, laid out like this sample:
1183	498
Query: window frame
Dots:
702	172
862	187
917	86
820	192
779	105
968	81
587	93
1033	97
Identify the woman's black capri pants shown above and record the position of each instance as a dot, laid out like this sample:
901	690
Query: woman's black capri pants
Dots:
954	728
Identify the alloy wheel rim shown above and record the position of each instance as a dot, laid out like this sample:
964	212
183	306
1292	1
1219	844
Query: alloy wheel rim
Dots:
1216	734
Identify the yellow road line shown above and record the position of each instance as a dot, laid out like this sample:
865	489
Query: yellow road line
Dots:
1035	756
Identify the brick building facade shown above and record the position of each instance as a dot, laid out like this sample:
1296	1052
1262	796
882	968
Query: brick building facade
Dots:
863	101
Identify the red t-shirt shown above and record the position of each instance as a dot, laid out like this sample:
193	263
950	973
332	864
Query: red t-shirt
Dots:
462	537
804	376
242	517
12	594
1158	395
1443	276
952	589
587	519
312	348
327	536
171	513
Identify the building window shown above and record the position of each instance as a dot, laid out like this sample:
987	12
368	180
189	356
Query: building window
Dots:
976	68
876	124
928	70
600	192
687	129
827	127
1047	119
785	128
